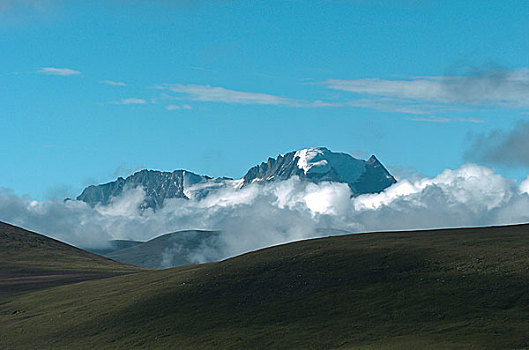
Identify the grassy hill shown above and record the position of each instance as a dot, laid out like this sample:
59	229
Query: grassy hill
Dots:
31	261
461	288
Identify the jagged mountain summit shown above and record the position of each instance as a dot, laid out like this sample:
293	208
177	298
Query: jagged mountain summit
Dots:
311	164
320	164
158	186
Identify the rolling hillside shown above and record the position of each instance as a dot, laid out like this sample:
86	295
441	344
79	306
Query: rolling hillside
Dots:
459	288
32	261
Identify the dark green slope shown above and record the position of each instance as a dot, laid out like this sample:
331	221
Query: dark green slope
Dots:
32	261
461	288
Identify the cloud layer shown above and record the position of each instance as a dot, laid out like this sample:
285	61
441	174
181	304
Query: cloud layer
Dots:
261	215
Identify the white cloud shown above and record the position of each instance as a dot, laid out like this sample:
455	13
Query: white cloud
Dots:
494	87
9	6
113	83
219	94
125	205
428	90
130	101
471	185
58	71
178	107
421	97
208	93
433	119
261	215
389	105
524	186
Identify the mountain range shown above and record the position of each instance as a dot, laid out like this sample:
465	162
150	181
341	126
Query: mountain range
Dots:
315	164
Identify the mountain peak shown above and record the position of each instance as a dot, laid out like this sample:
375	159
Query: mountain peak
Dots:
321	160
158	186
318	164
373	159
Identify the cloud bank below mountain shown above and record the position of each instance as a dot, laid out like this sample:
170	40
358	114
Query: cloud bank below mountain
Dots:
261	215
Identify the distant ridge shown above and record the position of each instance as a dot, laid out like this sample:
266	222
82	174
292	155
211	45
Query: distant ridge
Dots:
164	251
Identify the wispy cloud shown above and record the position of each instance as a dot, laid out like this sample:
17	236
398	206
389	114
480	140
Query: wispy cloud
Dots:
130	101
178	107
220	94
390	105
493	87
207	93
113	83
10	5
423	99
433	119
202	69
58	71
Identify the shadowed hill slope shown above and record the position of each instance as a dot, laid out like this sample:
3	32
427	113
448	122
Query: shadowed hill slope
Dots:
460	288
31	261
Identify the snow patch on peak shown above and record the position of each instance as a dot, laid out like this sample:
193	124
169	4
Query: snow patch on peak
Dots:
310	158
320	160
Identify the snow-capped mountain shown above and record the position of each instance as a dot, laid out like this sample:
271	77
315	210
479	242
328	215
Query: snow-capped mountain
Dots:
320	164
311	164
158	186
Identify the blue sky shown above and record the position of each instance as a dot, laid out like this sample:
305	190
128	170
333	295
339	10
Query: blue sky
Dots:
95	89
